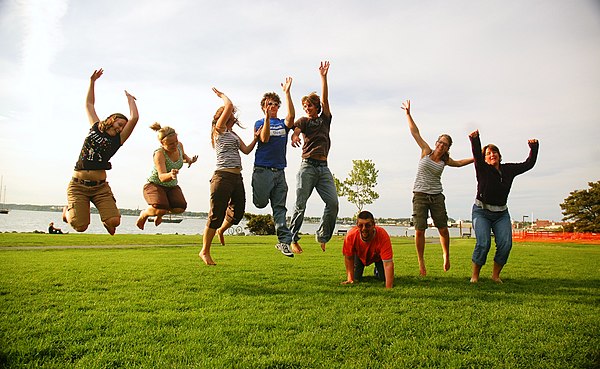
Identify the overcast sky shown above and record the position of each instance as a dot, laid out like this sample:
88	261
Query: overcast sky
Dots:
514	69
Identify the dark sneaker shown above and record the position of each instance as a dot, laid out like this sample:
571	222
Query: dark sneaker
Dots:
285	249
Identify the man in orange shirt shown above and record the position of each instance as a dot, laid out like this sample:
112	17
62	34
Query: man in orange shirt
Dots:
366	244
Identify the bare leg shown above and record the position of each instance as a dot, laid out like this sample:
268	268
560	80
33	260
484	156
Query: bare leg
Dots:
64	214
496	272
296	249
221	231
420	244
475	275
141	221
209	234
159	216
445	241
323	244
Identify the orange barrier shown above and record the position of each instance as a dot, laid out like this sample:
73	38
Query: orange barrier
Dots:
547	236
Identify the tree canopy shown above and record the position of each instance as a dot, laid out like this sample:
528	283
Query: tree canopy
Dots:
582	207
359	187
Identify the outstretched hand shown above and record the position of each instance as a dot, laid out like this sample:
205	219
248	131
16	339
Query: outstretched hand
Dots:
129	96
296	142
286	85
192	160
406	107
324	68
97	74
219	93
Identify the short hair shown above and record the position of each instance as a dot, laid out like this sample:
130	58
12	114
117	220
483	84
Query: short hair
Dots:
313	99
269	96
492	148
365	215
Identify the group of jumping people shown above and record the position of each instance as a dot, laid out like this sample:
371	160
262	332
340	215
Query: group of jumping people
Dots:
269	185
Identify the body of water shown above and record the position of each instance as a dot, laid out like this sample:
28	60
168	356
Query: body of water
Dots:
29	221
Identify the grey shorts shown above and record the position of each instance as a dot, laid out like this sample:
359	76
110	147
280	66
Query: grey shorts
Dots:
425	204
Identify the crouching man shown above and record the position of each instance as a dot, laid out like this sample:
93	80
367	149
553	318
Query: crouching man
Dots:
364	245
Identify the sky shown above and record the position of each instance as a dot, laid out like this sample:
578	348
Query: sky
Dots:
513	69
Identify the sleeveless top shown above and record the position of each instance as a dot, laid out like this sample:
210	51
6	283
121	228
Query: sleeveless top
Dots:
429	176
98	147
170	164
227	145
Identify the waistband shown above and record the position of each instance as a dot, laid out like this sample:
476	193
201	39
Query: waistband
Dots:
315	162
269	168
85	182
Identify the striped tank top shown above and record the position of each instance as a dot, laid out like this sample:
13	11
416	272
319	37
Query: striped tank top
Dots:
429	176
227	145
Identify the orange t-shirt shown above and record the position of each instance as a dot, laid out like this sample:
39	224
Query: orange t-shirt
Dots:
379	249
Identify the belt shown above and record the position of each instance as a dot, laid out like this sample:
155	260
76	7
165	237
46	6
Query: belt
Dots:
269	168
85	182
315	162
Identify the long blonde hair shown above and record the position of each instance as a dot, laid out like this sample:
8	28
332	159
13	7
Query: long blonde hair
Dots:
219	112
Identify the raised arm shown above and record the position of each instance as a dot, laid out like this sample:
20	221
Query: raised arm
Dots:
291	114
227	111
323	69
476	148
265	129
414	130
133	118
91	98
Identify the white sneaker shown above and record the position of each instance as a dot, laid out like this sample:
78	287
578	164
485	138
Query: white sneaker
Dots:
285	249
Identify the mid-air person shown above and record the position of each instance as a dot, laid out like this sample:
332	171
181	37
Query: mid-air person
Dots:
89	183
427	190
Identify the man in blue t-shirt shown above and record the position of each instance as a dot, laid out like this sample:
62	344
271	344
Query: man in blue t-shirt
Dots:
268	176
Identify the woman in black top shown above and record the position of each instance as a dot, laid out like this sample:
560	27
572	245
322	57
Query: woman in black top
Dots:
490	211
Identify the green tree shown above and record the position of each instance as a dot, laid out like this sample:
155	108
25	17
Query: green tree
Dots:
582	207
260	224
359	187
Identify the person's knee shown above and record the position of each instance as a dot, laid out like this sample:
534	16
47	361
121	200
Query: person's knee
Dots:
113	222
80	228
175	211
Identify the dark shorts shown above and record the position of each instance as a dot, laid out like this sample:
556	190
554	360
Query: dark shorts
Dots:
162	197
227	199
425	204
79	197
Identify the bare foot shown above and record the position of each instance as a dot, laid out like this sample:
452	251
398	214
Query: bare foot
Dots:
497	280
474	280
158	220
141	221
221	237
446	263
206	259
422	270
64	214
323	244
296	249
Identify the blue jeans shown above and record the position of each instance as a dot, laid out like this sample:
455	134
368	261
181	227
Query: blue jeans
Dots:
485	221
270	185
310	177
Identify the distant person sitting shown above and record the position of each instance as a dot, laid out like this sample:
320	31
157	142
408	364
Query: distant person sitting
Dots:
52	230
364	245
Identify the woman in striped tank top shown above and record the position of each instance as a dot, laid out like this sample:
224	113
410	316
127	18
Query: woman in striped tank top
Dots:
427	190
227	194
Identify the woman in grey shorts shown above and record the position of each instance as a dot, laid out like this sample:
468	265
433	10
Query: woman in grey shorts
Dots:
427	190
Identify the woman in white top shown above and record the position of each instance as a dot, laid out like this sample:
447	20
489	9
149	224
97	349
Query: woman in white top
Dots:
427	190
227	194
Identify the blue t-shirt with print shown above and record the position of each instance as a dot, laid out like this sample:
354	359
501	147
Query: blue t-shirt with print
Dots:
272	154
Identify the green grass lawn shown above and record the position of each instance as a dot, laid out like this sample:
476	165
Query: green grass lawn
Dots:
159	307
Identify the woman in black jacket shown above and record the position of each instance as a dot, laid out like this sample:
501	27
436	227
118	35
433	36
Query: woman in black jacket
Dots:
490	211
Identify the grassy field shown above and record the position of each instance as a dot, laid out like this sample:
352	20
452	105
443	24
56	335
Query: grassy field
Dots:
159	307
